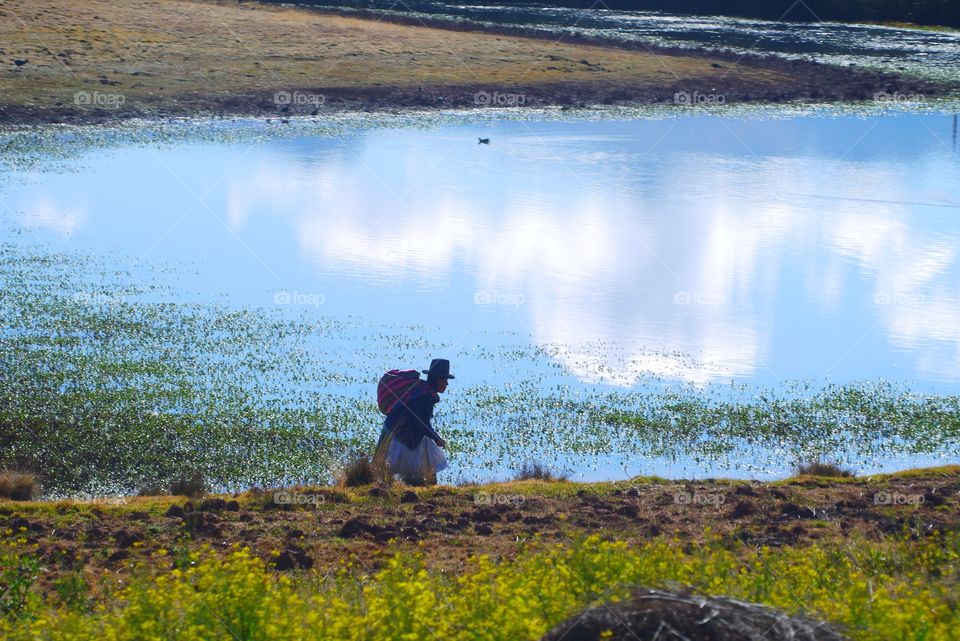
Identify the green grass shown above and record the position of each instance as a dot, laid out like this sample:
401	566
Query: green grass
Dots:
944	470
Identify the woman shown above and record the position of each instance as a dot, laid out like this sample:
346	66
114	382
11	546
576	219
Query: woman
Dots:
408	442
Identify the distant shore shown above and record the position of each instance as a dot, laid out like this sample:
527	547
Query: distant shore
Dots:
918	14
95	62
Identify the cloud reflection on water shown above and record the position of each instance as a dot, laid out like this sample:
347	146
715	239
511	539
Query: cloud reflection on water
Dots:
711	249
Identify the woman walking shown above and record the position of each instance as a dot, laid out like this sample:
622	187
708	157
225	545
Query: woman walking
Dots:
408	443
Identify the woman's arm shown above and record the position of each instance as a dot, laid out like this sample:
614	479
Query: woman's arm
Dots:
422	411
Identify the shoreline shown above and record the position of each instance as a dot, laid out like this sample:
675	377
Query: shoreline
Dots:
862	87
409	116
455	521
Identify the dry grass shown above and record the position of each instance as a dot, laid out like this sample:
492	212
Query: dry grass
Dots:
193	486
821	468
364	470
18	486
535	470
154	52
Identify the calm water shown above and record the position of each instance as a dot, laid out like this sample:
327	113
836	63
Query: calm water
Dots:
922	52
699	248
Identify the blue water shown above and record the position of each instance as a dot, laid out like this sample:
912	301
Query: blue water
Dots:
767	248
704	249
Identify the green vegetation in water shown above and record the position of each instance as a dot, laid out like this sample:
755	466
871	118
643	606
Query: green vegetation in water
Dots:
802	420
897	588
106	387
104	393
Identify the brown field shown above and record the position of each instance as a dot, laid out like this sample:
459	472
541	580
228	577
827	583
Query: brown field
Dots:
94	60
451	523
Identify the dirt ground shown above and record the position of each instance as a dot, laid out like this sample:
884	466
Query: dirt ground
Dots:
321	527
102	60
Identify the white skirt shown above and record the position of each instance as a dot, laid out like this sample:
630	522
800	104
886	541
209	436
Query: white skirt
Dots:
423	461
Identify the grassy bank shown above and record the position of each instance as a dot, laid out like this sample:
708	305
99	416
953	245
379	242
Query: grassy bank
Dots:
519	567
93	61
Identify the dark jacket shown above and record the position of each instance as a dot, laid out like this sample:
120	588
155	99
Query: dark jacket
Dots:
411	421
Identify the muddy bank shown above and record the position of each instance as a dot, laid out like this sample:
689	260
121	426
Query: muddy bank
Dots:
807	85
307	527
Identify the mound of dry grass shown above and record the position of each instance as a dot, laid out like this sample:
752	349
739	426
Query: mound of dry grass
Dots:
535	470
18	486
364	470
821	468
193	486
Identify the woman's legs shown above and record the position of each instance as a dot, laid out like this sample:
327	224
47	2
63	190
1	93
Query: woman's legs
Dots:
415	466
381	456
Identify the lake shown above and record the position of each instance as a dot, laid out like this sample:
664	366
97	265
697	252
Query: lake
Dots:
585	260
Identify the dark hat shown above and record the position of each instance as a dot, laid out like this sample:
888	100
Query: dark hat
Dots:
439	368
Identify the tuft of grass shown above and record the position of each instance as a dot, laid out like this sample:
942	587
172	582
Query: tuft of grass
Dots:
193	486
151	489
364	470
18	486
822	468
535	470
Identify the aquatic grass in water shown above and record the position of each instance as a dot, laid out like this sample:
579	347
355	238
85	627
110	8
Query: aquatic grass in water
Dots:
861	420
101	394
735	426
111	380
105	387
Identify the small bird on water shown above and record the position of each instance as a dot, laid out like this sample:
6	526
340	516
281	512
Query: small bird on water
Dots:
483	141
